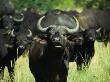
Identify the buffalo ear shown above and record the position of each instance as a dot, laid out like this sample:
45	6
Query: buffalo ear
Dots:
40	40
70	37
43	42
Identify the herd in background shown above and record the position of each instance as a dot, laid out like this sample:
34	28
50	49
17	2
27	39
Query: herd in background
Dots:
53	40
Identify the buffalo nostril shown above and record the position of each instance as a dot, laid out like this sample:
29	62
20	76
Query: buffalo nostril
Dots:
21	47
91	38
57	39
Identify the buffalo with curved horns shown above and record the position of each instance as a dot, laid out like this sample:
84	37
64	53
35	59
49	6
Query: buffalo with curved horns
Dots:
48	55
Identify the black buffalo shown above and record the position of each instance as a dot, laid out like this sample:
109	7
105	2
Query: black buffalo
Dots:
6	8
31	17
48	55
27	29
81	48
8	53
7	44
9	47
81	43
17	31
97	19
94	25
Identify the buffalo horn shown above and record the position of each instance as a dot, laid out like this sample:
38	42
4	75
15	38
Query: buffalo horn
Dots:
39	25
70	31
12	33
19	20
30	33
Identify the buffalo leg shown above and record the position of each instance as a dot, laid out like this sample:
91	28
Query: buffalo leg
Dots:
79	62
2	72
64	71
88	60
88	56
38	79
11	66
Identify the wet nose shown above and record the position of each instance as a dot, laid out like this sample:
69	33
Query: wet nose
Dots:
56	39
21	47
91	38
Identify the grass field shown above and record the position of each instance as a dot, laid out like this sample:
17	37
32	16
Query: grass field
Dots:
99	70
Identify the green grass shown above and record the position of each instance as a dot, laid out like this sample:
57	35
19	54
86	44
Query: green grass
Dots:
99	70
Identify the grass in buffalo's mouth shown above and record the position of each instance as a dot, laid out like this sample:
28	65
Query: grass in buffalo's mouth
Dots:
99	70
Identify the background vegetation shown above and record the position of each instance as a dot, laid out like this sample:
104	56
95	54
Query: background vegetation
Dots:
99	70
44	5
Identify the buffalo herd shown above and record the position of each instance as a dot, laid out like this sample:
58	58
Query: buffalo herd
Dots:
53	39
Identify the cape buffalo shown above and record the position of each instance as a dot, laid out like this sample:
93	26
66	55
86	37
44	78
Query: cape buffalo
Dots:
94	25
9	48
97	19
48	55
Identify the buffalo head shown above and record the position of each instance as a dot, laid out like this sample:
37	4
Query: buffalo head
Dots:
57	27
22	34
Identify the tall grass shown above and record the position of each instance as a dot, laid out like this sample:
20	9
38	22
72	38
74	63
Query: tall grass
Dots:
99	70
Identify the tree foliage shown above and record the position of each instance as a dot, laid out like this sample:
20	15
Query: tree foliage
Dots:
98	4
44	5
